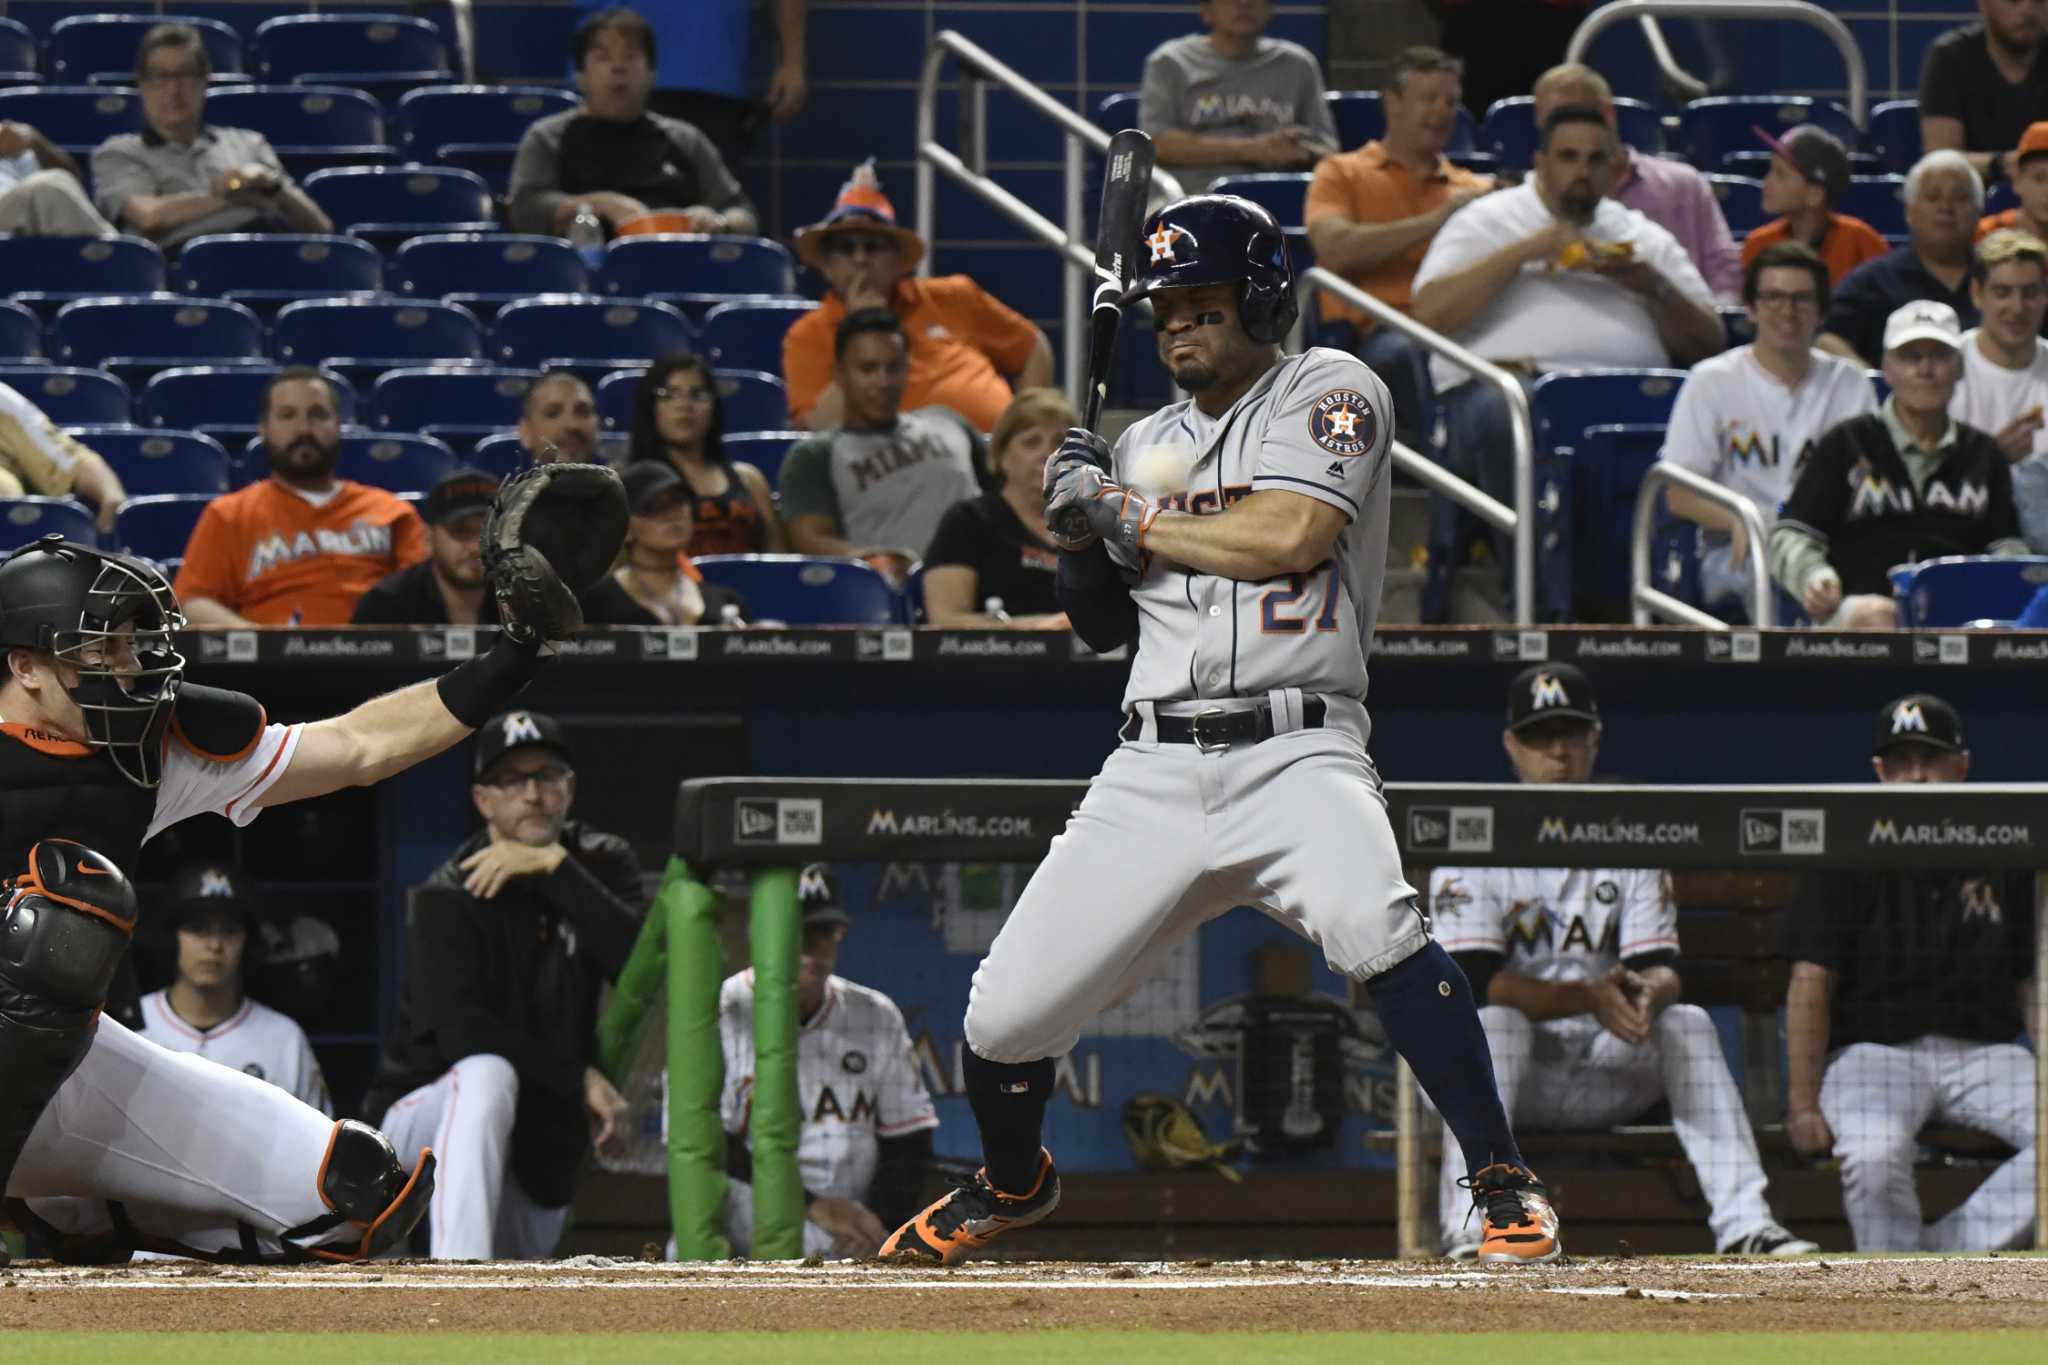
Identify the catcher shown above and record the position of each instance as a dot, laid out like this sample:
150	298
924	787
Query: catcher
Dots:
109	1143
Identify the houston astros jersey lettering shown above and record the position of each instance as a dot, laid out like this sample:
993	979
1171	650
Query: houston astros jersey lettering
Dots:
1315	425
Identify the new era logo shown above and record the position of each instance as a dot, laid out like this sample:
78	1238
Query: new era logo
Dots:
1790	832
1451	829
767	820
753	820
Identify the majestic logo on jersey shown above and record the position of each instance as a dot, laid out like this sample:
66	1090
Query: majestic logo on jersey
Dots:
214	882
1342	422
275	550
520	729
1907	718
1162	240
1547	692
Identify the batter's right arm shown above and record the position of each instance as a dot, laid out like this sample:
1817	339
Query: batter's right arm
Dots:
1093	594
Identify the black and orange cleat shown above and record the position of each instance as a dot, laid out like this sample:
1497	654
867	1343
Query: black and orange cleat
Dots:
1520	1227
964	1222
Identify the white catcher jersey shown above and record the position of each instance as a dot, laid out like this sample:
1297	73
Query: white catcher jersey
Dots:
855	1078
1554	923
1318	424
255	1040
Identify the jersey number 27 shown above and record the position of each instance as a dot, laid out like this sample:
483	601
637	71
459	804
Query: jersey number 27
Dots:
1274	619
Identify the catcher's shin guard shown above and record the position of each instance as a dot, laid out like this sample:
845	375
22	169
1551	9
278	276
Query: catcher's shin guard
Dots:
372	1196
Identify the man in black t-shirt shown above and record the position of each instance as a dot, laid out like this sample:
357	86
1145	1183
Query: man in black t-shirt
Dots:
1982	84
1910	987
447	587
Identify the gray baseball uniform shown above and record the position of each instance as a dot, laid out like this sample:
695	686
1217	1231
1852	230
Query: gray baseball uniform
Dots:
1170	835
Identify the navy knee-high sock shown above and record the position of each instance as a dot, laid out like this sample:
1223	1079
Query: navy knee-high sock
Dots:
1425	1005
1009	1099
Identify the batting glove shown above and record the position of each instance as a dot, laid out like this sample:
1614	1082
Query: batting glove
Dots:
1073	476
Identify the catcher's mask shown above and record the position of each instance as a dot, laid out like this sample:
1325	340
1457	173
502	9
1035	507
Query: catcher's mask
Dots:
109	618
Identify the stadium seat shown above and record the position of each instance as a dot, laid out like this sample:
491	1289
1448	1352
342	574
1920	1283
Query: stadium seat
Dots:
746	334
86	47
1711	127
24	521
157	460
1282	194
70	397
807	590
501	454
296	45
310	127
358	335
484	271
762	449
17	53
752	400
1879	200
1360	119
426	398
615	398
586	331
1565	403
1956	590
1893	135
1742	202
159	526
697	271
394	462
1509	130
439	116
77	118
21	332
1119	111
211	397
389	204
43	272
152	331
268	270
1608	464
490	162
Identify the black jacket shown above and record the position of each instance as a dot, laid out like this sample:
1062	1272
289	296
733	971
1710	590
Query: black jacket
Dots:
518	976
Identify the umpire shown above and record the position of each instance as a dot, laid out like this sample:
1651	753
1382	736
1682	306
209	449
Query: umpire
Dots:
492	1060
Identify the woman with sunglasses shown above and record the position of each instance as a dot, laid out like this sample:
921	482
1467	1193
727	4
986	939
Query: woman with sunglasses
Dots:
678	422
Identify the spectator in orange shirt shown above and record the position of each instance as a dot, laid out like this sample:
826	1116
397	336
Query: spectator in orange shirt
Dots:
1372	212
2030	183
300	547
1809	172
966	345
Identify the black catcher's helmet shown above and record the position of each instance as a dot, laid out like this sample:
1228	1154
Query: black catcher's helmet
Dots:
1220	239
110	617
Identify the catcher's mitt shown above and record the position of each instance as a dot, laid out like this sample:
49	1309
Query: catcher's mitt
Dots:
553	532
1165	1135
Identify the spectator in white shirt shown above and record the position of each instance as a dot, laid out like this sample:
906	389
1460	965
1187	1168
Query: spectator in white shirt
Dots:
1554	275
2005	368
1746	417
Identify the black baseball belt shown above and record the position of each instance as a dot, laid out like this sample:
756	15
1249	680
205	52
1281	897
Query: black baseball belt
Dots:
1217	728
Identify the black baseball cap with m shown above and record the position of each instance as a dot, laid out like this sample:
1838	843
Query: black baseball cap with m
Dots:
1918	718
500	735
1544	692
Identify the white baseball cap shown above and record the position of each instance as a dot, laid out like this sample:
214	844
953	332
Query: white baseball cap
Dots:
1923	320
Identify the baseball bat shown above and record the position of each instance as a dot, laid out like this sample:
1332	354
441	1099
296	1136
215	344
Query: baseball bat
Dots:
1126	185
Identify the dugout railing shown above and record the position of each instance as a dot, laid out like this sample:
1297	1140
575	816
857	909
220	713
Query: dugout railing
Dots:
767	827
1647	12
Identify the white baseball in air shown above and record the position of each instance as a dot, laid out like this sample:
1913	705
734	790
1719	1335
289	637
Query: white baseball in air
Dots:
1162	469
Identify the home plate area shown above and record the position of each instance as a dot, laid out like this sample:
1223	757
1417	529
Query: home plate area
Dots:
592	1293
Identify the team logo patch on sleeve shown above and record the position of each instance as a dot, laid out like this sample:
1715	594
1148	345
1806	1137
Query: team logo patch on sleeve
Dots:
1342	422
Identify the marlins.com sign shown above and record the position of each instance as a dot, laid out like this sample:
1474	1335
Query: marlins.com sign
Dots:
1632	833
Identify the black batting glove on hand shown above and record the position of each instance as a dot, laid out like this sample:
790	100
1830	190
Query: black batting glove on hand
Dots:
1075	472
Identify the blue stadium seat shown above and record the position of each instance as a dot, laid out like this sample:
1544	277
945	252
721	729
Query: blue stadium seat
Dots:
490	162
438	116
70	397
357	335
615	398
475	400
1509	130
746	334
43	272
21	332
295	45
159	526
1958	589
752	400
394	462
1711	127
587	331
389	204
1742	202
1282	194
17	53
500	454
1893	135
310	127
696	271
807	590
160	460
77	118
762	449
1119	111
267	270
144	332
85	46
1564	404
212	398
24	521
484	271
1879	200
1608	465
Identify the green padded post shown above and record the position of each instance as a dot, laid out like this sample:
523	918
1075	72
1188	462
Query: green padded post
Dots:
696	1066
775	927
633	995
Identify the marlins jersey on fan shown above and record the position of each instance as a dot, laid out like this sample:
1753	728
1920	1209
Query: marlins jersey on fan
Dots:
1318	424
255	1040
1554	923
855	1078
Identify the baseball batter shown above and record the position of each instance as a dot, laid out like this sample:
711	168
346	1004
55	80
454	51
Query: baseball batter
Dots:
108	1142
1583	1015
1238	539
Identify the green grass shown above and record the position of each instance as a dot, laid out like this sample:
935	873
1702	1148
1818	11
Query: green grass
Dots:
1036	1348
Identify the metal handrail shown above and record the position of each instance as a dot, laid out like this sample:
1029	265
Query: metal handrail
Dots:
464	14
1793	11
1519	520
979	67
1645	600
